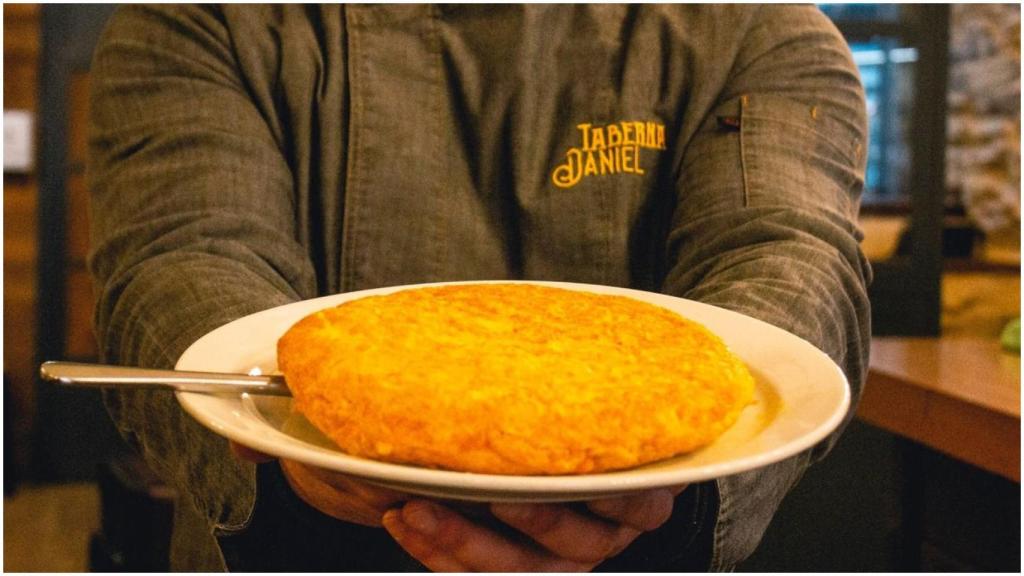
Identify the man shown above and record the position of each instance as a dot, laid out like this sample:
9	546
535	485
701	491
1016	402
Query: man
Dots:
245	157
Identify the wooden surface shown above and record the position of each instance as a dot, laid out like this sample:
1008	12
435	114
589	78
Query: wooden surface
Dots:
79	337
958	394
47	527
21	83
979	304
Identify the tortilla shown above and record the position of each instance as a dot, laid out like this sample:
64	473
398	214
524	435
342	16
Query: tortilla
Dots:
512	379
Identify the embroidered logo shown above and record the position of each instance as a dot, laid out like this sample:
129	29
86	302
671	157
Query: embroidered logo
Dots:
611	149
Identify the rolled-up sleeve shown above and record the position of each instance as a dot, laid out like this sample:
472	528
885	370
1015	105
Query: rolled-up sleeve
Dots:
192	217
765	224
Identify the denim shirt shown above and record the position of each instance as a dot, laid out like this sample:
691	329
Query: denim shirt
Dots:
243	157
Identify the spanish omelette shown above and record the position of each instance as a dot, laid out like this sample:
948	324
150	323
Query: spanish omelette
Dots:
512	379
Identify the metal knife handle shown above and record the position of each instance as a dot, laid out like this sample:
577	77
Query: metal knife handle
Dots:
105	376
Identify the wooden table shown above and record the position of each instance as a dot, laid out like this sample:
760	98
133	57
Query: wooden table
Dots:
959	395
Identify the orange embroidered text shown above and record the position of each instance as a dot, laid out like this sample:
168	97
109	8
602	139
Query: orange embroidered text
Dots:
611	149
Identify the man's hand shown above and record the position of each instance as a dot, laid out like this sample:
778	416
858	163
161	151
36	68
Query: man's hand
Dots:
332	493
558	539
548	537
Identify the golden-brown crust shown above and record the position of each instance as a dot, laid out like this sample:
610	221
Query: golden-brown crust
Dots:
512	379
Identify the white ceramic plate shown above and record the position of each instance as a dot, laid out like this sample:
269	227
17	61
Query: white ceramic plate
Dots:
801	396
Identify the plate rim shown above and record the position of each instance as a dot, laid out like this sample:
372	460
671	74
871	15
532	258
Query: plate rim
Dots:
517	487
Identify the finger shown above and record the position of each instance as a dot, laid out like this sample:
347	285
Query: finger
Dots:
381	498
248	454
644	510
445	541
328	499
566	533
418	544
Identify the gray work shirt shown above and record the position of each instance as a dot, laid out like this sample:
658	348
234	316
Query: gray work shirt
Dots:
243	157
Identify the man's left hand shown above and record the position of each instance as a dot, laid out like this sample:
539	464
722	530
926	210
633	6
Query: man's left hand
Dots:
557	538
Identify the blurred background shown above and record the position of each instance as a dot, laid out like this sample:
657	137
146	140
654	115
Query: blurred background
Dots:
926	478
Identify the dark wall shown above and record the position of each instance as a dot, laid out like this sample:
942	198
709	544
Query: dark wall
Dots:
72	429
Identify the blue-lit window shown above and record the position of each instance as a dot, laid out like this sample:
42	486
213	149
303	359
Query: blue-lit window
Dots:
886	67
887	72
862	12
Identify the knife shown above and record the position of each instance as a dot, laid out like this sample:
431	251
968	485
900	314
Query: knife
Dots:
106	376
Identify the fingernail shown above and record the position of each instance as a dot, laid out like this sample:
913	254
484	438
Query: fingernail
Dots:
511	511
390	517
608	506
420	517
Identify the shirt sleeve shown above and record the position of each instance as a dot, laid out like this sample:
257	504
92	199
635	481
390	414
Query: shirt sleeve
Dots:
192	218
768	192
